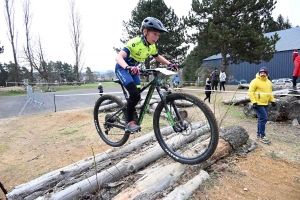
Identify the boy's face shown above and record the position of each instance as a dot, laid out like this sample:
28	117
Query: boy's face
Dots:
152	36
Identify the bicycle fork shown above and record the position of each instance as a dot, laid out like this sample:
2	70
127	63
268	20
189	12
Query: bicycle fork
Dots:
168	112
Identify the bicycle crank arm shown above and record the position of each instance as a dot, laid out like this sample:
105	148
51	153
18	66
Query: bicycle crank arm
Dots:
115	125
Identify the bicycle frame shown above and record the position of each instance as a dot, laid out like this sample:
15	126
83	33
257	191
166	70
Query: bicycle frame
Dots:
155	83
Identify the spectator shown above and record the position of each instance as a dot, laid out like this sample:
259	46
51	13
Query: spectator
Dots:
207	90
296	73
176	81
100	88
214	79
260	94
222	78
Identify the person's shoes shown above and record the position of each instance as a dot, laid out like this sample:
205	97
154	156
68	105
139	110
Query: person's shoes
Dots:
132	127
264	140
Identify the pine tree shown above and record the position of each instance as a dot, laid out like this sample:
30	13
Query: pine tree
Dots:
234	28
170	45
279	24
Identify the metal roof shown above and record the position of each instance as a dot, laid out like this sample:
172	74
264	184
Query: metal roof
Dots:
289	40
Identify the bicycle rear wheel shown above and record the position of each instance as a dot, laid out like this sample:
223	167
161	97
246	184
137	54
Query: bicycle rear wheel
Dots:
110	120
198	136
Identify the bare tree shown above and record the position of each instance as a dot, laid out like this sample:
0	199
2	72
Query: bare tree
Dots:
10	21
27	48
77	44
37	59
39	62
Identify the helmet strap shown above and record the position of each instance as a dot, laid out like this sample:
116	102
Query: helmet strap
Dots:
145	41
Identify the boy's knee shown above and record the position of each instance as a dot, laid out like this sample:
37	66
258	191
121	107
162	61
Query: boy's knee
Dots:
133	91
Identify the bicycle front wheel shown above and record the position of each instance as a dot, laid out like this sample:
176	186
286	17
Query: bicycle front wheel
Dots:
110	120
197	134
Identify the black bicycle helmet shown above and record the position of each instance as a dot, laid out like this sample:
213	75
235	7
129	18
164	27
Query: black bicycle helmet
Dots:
152	23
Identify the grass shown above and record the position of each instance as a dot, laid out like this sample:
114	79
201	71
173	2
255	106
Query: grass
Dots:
3	148
12	92
77	87
70	132
59	88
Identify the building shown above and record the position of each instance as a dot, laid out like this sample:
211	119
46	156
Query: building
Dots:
280	66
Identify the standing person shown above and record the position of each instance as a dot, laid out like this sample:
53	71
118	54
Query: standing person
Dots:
207	90
222	78
260	94
176	81
296	73
214	79
100	88
135	52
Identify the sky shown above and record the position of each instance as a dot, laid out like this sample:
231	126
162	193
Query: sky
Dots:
101	27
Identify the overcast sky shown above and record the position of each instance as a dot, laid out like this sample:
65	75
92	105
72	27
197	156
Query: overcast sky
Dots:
101	27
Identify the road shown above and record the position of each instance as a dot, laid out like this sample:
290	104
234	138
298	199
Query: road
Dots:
13	106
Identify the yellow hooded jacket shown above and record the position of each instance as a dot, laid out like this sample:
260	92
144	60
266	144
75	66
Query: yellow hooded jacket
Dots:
260	91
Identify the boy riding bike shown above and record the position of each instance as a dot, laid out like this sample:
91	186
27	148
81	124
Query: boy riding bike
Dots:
135	52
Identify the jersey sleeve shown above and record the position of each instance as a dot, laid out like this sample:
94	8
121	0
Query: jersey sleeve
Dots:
130	44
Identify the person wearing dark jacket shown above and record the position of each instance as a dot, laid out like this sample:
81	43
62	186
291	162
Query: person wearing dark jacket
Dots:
207	90
214	79
100	88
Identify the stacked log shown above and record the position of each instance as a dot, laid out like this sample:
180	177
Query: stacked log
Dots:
154	172
153	182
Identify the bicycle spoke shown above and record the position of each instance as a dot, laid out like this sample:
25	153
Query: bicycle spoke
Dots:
110	120
198	137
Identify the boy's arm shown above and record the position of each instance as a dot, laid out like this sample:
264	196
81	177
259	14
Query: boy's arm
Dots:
161	59
120	59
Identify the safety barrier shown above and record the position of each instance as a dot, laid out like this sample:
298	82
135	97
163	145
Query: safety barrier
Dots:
34	97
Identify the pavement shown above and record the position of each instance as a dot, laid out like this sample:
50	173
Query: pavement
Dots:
14	106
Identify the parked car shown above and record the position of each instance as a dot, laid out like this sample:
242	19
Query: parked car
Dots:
236	82
282	81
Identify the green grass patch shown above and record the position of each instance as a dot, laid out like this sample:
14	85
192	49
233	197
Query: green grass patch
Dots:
3	148
235	112
12	92
77	87
273	156
70	132
77	139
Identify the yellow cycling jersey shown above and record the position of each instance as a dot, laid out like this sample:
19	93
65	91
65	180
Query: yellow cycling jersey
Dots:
137	50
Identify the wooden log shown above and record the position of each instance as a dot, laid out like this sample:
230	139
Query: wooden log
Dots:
69	172
127	166
151	155
287	108
293	110
185	191
153	181
236	100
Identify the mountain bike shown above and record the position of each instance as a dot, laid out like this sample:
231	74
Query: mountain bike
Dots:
184	126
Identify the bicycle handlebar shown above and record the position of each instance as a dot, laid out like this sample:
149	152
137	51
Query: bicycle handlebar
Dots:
147	72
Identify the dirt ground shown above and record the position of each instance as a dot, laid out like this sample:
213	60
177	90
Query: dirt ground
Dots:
31	146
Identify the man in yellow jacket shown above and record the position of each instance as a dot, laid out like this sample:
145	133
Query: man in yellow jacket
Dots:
260	94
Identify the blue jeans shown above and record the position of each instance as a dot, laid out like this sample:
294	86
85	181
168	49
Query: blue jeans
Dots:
262	114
